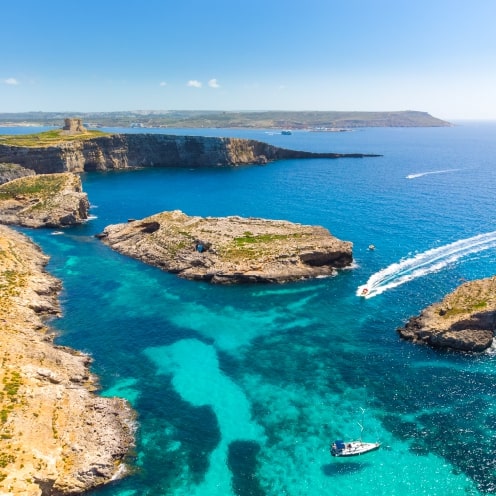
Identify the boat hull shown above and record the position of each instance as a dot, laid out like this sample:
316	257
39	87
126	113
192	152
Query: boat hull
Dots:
353	448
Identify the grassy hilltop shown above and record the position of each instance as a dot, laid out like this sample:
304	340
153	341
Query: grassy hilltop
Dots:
47	138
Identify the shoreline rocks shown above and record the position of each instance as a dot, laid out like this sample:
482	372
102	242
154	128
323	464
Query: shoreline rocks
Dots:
464	320
57	436
230	250
46	200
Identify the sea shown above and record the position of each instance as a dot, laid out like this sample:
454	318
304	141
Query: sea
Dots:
240	390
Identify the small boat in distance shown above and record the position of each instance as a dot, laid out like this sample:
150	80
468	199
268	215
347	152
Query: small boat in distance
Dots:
364	291
286	132
352	448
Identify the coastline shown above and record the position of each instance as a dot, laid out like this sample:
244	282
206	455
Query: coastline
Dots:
57	435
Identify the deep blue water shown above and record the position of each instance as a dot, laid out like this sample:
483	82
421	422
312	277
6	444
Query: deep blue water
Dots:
239	390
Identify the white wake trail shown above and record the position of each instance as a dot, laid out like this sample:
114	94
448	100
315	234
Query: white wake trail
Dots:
424	263
420	174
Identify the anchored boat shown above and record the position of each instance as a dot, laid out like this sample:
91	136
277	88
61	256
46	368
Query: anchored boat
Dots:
353	448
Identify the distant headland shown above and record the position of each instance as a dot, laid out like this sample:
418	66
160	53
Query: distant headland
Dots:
307	120
75	149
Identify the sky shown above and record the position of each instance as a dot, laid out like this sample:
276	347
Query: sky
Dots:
436	56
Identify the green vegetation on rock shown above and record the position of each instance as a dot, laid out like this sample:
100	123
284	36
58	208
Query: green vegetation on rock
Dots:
42	186
47	138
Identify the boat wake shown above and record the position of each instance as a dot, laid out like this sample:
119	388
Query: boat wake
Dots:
428	262
420	174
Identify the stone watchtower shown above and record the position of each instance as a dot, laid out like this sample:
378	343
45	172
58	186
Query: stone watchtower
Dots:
73	126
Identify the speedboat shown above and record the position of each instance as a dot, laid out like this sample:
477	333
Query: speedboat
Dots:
364	291
352	448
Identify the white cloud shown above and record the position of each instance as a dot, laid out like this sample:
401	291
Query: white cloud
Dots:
194	84
213	83
163	83
11	81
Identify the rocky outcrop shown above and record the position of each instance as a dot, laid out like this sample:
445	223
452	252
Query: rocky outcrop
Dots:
56	436
230	249
48	200
122	151
464	320
9	172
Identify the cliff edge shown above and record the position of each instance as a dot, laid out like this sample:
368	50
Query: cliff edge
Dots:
52	152
464	320
56	436
230	249
47	200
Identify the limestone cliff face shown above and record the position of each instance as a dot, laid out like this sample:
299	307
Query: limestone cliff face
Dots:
464	320
46	200
56	436
230	249
9	172
121	151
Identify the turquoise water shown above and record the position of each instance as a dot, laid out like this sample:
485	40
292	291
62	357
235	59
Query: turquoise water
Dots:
239	390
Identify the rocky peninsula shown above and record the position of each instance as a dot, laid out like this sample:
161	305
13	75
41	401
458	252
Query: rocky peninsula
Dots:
61	151
464	320
56	436
230	250
47	200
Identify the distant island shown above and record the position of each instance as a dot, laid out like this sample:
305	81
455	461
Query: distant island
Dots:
305	120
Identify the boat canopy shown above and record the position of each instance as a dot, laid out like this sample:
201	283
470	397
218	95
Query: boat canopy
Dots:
339	444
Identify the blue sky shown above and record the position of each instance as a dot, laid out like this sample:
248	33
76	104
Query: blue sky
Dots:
437	56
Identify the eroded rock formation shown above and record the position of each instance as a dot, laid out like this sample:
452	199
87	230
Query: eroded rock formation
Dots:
230	249
464	320
122	151
9	172
56	436
48	200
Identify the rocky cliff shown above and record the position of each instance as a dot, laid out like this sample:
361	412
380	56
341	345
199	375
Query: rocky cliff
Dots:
464	320
230	249
56	436
9	172
121	151
47	200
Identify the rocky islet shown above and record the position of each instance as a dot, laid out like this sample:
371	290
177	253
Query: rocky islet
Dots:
464	320
230	250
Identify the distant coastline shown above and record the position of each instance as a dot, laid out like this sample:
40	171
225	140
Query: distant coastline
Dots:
303	120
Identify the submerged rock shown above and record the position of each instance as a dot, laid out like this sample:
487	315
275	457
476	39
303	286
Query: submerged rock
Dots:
47	200
230	249
464	320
